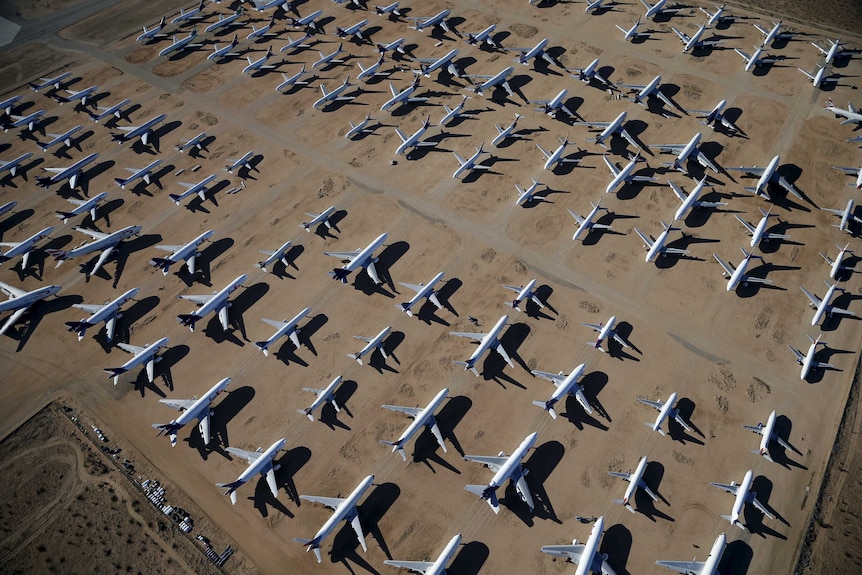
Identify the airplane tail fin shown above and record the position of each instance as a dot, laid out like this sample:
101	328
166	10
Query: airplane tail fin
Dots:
162	263
231	489
189	320
340	275
79	327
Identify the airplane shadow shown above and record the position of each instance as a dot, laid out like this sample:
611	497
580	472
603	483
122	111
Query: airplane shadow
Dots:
328	415
737	558
470	559
653	475
762	486
685	409
617	545
544	459
777	453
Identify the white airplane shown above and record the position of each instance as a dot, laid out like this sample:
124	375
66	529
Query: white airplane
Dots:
633	33
504	134
108	313
469	165
586	75
585	555
552	159
143	131
768	434
486	341
153	33
262	32
774	33
83	207
708	567
421	417
359	258
12	165
767	175
240	163
586	223
665	410
609	129
743	495
197	408
29	121
226	51
717	17
72	173
187	253
217	302
757	59
199	188
19	302
822	306
498	79
403	97
76	95
834	52
397	45
685	152
525	292
605	331
273	256
106	243
846	216
307	21
181	44
371	344
289	328
528	195
483	37
388	9
438	19
196	142
298	44
317	219
690	201
366	74
652	89
290	81
737	275
54	82
258	462
147	355
554	105
715	116
438	566
820	78
334	96
852	172
851	114
24	247
65	138
260	63
423	291
142	173
326	395
655	246
504	468
407	143
624	176
354	30
807	361
191	14
537	51
759	233
692	43
428	66
453	113
837	266
327	59
343	509
658	9
565	385
224	21
635	481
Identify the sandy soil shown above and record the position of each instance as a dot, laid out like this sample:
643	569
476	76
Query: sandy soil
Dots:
724	353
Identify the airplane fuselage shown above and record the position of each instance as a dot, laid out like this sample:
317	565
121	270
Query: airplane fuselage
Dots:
201	407
220	298
665	411
424	417
489	341
635	480
28	298
824	306
513	462
767	432
741	496
738	274
265	459
587	223
342	511
612	128
591	547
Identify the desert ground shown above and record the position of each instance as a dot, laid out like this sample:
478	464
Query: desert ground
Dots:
725	354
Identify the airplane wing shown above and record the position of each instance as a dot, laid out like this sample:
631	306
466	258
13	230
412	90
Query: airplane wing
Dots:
754	280
522	488
592	326
645	239
814	299
89	308
11	291
729	488
668	147
727	268
810	76
788	187
571	552
676	190
592	124
133	349
169	248
414	287
800	357
753	170
467	334
343	255
685	567
554	378
760	507
499	348
658	94
842	311
682	36
103	257
222	317
656	404
329	502
411	411
628	137
270	478
678	251
92	233
198	299
614	170
493	463
415	566
250	456
178	404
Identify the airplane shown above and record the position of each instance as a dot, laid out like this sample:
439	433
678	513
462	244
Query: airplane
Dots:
757	59
586	75
738	275
292	80
142	173
665	410
453	113
116	110
196	142
687	151
537	51
360	258
807	361
708	567
65	138
327	59
658	9
775	33
609	129
371	343
423	291
366	74
260	63
692	43
469	164
217	302
555	104
552	159
54	82
486	341
525	292
846	216
586	223
633	33
715	116
12	165
23	248
819	78
623	176
326	395
297	44
147	355
197	408
132	132
635	481
421	417
717	17
428	66
317	219
851	114
289	328
834	52
767	175
852	172
307	21
484	37
822	306
528	195
438	567
334	96
690	201
655	246
224	21
743	495
20	301
768	434
438	19
187	253
106	243
504	134
565	385
192	14
586	555
263	31
354	30
397	45
413	141
359	128
83	206
504	468
837	266
605	331
258	462
30	121
343	509
199	188
108	313
402	97
388	9
499	79
240	163
181	44
224	52
76	95
651	89
153	33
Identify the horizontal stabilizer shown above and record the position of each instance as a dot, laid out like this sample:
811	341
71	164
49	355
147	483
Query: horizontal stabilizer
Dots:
188	320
